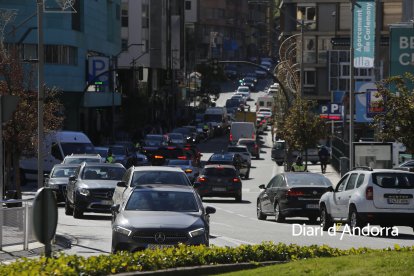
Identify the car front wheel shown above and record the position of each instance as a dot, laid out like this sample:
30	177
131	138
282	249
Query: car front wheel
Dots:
354	220
326	220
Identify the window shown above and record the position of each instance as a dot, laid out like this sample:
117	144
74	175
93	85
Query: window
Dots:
61	54
309	50
345	17
341	185
77	17
391	14
324	44
309	78
29	51
308	15
188	5
360	180
351	182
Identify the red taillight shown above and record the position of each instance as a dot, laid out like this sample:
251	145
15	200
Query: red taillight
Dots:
158	157
201	179
295	193
236	180
369	193
231	137
183	157
170	148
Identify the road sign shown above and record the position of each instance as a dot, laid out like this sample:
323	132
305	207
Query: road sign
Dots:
45	215
331	111
97	66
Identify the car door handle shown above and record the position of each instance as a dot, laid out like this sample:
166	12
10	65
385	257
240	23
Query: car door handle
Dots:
349	196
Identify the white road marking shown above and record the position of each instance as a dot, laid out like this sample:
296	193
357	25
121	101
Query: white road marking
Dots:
234	241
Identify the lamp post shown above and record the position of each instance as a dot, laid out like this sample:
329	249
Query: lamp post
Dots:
40	128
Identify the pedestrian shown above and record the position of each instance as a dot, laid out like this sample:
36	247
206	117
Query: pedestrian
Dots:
298	166
110	158
323	154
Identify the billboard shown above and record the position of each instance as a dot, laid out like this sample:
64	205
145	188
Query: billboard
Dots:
364	34
401	49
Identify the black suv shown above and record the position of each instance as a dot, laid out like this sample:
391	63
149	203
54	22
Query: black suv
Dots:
219	181
91	188
231	158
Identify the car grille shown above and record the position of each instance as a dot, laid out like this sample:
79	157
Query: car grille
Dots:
171	237
102	193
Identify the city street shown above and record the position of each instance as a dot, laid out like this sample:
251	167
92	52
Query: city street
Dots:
234	223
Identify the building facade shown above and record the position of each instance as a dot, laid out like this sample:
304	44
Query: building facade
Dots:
78	46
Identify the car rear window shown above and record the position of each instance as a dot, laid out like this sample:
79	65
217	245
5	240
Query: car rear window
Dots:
236	149
228	172
159	177
394	180
307	180
221	157
104	173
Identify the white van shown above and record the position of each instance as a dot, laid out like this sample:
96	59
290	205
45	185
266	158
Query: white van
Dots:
57	145
241	130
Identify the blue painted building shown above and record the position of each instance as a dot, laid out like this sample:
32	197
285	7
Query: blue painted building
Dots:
71	40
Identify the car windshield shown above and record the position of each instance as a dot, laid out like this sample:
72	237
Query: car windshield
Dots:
152	143
172	201
307	180
118	150
103	173
79	160
63	172
213	118
394	180
76	148
225	172
159	177
177	136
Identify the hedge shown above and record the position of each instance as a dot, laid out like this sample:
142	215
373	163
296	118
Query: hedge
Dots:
180	256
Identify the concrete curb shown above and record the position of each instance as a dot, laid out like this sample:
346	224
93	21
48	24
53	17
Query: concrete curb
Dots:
203	269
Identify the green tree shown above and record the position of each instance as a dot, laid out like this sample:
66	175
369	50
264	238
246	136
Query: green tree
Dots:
20	132
302	128
397	122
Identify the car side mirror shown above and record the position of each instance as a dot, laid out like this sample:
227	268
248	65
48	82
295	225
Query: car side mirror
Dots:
72	178
210	210
115	208
262	187
121	184
330	189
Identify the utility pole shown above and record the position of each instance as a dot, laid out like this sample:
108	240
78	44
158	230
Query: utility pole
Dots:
40	83
302	68
351	90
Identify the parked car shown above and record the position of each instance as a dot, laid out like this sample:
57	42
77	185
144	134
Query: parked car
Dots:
365	195
292	195
188	166
91	188
136	176
251	145
229	158
219	181
159	216
405	166
75	158
58	179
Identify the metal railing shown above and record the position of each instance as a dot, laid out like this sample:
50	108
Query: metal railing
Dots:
16	223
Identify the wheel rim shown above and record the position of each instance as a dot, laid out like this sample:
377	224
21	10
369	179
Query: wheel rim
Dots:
353	219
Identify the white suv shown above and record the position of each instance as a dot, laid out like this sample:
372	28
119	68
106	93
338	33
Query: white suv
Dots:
364	195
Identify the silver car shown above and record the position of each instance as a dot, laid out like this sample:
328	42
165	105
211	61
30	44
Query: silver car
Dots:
91	188
58	179
159	216
137	176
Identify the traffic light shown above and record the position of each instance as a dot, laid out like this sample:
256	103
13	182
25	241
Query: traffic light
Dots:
215	65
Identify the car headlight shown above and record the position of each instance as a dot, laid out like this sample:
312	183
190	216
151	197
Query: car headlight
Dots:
196	233
122	230
84	192
53	186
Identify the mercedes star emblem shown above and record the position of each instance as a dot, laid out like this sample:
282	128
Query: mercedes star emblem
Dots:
315	192
159	237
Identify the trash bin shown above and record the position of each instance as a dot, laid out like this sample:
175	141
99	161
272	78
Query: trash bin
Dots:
343	165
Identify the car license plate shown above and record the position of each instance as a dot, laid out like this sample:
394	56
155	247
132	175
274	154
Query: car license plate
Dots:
159	246
312	206
397	201
106	202
219	189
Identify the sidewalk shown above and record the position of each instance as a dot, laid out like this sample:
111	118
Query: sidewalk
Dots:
331	173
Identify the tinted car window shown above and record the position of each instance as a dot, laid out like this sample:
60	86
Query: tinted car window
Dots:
221	157
159	177
63	172
103	173
162	201
307	179
360	180
394	180
229	172
341	185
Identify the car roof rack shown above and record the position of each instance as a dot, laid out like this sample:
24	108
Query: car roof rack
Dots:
364	168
